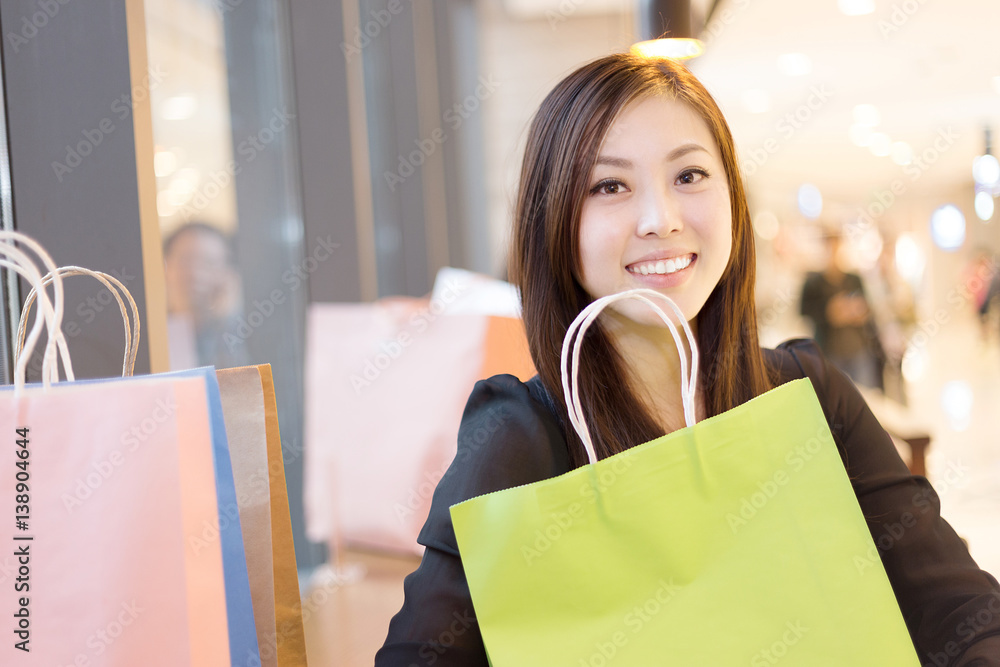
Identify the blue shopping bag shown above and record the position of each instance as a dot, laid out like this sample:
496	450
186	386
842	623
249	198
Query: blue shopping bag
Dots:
239	605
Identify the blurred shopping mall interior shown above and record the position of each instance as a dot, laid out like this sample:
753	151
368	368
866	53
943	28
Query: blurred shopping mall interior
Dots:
283	183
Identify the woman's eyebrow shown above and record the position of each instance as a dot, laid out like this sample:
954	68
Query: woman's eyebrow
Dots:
681	151
619	162
675	154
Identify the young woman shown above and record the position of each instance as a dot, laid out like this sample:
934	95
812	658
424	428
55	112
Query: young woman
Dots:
630	179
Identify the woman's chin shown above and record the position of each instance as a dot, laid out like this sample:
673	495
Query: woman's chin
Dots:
638	315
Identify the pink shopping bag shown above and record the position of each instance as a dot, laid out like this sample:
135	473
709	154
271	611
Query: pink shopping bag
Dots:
104	485
369	478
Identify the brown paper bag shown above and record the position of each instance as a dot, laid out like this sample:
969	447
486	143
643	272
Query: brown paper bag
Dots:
291	637
251	418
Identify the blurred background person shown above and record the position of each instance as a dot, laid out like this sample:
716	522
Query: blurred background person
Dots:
991	304
834	300
203	297
893	309
982	282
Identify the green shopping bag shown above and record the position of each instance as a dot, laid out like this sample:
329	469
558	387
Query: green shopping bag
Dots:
733	541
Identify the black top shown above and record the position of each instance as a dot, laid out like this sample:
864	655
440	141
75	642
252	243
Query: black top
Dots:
510	436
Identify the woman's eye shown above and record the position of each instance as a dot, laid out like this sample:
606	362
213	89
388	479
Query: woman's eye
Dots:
608	186
692	176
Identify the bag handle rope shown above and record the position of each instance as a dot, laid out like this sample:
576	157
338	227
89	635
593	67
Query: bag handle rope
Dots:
114	286
50	310
571	348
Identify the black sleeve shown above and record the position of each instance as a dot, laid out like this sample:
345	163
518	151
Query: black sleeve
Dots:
506	438
951	606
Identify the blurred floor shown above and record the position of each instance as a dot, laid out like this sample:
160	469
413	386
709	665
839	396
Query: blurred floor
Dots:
964	459
346	624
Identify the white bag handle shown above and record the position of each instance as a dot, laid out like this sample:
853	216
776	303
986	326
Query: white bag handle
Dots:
570	371
51	312
23	266
109	281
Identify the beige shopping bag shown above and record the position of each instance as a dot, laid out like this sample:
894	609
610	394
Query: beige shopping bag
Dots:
250	412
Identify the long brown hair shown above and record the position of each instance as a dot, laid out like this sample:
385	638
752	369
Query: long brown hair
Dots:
562	147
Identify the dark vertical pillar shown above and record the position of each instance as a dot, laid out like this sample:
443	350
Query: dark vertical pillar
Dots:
277	261
394	137
456	30
319	58
75	91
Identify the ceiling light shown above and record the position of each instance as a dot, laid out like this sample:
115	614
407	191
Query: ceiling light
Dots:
183	185
175	198
766	225
866	114
986	170
669	28
901	153
880	145
984	205
164	163
810	201
178	107
948	227
794	64
910	260
861	135
856	7
756	100
676	48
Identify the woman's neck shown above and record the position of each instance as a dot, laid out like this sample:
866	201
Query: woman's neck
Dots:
653	364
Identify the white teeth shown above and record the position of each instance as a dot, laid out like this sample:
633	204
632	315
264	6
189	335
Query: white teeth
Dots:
663	267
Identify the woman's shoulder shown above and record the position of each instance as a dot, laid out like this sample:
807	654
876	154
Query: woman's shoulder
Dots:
510	434
505	393
844	406
514	418
795	358
799	358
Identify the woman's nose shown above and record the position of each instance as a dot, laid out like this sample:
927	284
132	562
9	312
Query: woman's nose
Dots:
659	214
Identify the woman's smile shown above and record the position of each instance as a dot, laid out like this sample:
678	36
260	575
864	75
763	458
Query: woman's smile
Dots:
663	274
657	212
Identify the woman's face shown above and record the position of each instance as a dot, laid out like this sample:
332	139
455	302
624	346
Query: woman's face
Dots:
656	213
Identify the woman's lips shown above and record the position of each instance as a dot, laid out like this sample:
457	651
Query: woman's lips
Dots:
661	266
672	276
